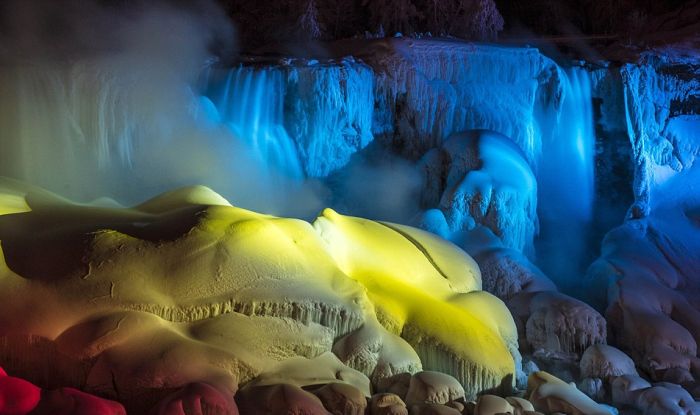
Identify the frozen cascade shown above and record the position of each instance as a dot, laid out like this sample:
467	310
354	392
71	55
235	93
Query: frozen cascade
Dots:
75	116
250	101
429	90
566	178
566	165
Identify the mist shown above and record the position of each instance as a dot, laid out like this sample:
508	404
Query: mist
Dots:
102	101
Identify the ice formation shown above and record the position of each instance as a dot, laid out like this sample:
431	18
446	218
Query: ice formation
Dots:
135	302
250	101
482	178
605	362
550	394
647	266
428	90
662	398
443	280
555	322
505	272
307	119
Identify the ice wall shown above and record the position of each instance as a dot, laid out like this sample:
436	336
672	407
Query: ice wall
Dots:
428	90
306	119
646	277
329	111
661	103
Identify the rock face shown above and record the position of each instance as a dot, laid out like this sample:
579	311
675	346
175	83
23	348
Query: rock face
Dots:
186	289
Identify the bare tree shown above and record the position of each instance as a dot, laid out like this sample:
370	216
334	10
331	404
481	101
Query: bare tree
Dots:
342	18
475	19
393	15
308	26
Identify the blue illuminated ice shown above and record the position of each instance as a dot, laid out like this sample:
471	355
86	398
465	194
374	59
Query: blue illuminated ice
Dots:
480	177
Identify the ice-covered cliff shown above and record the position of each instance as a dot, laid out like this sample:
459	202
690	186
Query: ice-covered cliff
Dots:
410	95
663	120
428	90
305	118
646	276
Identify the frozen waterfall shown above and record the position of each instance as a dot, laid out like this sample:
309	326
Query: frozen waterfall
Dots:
250	102
566	179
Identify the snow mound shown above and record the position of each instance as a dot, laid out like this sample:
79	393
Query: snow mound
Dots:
185	289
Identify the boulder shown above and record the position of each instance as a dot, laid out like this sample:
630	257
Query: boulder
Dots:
433	387
387	404
342	399
550	394
605	362
492	405
278	399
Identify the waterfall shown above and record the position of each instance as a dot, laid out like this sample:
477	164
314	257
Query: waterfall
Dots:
576	125
566	180
250	102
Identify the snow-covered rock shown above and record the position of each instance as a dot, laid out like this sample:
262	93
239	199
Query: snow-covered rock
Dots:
605	362
342	398
187	289
433	387
549	394
646	276
505	272
593	387
303	372
556	323
660	398
198	398
432	409
279	399
492	405
387	404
